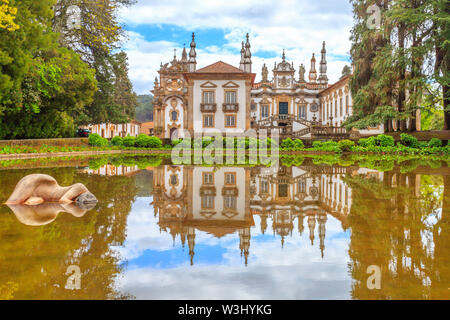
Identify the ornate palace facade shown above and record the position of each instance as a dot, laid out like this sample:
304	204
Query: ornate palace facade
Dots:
224	97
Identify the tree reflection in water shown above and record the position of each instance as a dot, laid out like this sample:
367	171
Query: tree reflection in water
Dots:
34	260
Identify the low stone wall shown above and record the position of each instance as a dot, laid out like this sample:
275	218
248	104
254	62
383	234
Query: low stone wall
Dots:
443	135
69	142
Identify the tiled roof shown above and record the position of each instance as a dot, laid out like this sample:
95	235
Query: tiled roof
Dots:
146	126
219	67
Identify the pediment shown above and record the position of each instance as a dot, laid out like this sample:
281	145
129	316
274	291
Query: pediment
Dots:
208	84
230	84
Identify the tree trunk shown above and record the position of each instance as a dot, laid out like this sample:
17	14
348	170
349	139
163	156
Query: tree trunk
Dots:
412	123
446	95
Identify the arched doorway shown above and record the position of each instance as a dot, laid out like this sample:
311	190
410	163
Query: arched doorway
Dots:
174	133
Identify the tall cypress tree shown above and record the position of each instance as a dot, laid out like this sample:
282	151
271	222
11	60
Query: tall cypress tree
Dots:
395	64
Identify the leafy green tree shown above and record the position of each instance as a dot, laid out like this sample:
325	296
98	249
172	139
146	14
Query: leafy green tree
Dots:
43	86
144	110
95	39
395	64
346	71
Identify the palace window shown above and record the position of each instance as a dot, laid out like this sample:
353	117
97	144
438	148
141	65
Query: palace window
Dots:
264	186
302	111
230	202
207	202
347	111
173	180
208	178
346	196
230	121
264	111
283	191
302	186
174	116
230	178
341	106
335	108
208	121
230	97
208	97
283	108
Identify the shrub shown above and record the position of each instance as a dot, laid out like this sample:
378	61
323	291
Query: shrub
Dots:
129	141
287	144
252	143
346	145
117	141
176	142
384	141
271	143
409	141
142	141
423	144
97	141
298	144
229	141
154	142
435	143
207	141
184	143
242	143
197	144
331	146
362	142
317	144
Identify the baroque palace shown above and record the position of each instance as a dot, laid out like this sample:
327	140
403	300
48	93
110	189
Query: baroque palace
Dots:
221	96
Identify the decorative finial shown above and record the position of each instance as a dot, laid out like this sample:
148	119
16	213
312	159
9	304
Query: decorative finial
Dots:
284	56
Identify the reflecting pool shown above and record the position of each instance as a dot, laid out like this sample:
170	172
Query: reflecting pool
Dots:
303	230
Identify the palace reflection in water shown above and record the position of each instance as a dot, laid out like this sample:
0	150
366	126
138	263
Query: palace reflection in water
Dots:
222	201
307	231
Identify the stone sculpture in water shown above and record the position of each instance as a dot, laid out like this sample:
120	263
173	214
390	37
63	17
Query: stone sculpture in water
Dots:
38	199
36	189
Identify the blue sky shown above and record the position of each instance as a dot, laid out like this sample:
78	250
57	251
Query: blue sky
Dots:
156	27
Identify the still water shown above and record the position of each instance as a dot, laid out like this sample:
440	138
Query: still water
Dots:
194	232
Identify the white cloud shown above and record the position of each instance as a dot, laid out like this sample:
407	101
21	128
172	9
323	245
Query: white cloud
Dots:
299	26
296	271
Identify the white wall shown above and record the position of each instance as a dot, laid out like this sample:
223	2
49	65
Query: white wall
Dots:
219	183
220	99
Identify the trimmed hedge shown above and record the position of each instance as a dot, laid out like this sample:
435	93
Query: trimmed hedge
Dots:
129	141
97	141
435	143
117	141
409	141
346	145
